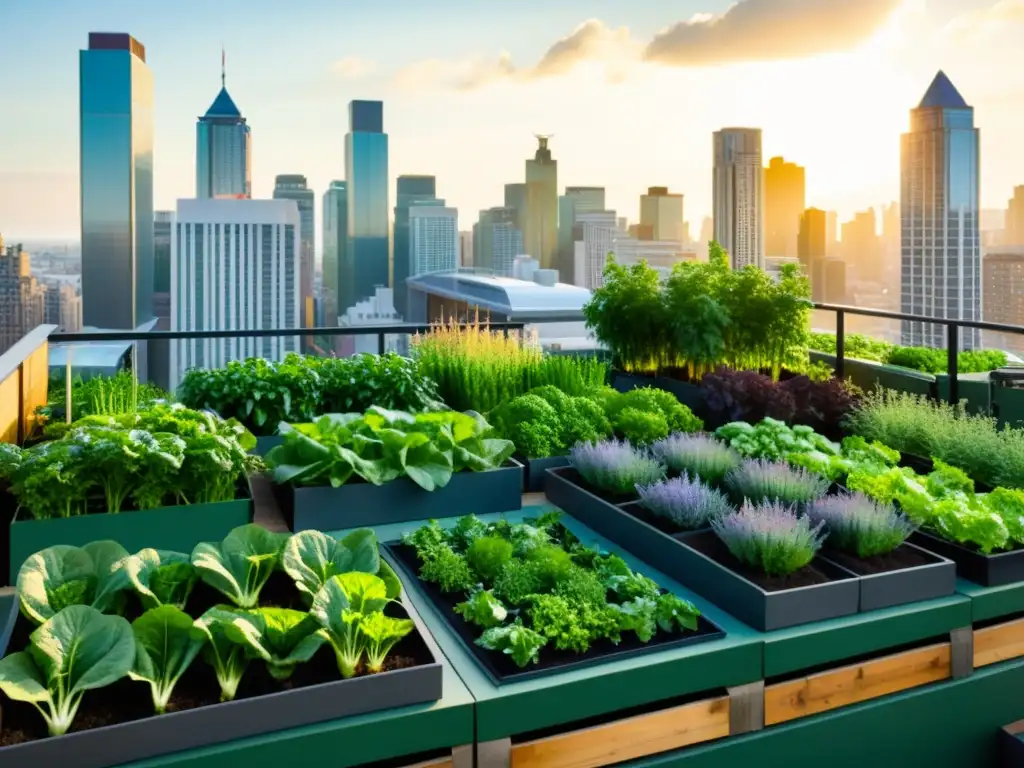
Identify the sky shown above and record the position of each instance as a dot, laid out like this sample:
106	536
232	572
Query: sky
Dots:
631	91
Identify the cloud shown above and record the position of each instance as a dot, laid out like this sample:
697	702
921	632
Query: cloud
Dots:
353	68
761	30
1008	10
982	26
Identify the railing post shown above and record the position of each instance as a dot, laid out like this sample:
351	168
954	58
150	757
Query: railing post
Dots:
952	353
840	344
380	343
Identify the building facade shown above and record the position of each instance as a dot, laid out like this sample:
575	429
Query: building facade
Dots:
63	307
433	240
576	200
738	195
595	234
861	248
466	248
784	203
22	298
409	191
335	245
540	229
223	149
116	181
235	267
366	174
662	212
1003	293
497	240
1013	229
292	186
941	252
811	239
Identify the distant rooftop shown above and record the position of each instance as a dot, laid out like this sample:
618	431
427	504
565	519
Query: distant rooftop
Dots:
223	106
942	93
518	299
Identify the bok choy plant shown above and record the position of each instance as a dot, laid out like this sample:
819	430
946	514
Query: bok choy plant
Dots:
228	659
161	577
312	557
166	643
281	637
241	564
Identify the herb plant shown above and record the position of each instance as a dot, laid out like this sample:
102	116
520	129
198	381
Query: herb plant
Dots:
770	537
687	504
857	525
698	455
546	422
759	480
615	467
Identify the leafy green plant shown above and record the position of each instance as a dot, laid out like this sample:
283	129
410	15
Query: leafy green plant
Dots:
228	659
240	565
546	422
448	569
312	557
924	359
281	637
160	577
100	396
483	609
166	644
77	650
381	634
487	555
60	576
520	643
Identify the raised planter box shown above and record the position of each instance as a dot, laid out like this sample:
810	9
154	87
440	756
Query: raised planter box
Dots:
535	471
265	443
987	570
177	528
934	577
212	724
355	505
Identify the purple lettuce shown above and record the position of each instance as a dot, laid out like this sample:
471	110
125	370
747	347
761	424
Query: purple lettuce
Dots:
860	526
770	537
615	466
688	504
758	480
698	455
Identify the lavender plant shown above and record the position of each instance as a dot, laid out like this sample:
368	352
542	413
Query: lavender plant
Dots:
698	455
688	504
859	525
615	466
770	537
760	480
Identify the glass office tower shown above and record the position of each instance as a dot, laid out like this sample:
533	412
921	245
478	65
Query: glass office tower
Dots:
366	176
410	191
116	167
335	234
292	186
223	150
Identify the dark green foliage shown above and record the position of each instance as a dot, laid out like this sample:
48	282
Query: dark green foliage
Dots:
99	396
487	555
448	569
517	581
640	427
924	359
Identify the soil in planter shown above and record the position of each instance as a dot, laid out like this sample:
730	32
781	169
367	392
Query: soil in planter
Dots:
901	558
501	667
128	700
576	479
709	545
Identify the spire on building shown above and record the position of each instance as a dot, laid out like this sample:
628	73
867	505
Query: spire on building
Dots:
223	106
942	93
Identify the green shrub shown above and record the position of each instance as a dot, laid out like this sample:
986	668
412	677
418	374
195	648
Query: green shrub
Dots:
488	555
640	427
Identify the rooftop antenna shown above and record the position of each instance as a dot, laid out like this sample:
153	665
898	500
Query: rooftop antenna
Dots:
223	65
543	139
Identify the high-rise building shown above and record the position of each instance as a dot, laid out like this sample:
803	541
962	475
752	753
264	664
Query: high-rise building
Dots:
594	236
497	241
515	198
784	204
1003	273
235	267
662	211
366	174
292	186
1014	227
116	181
707	230
575	200
861	248
829	281
433	239
662	255
335	235
738	195
63	307
223	148
22	298
540	229
466	249
409	191
811	242
831	233
941	259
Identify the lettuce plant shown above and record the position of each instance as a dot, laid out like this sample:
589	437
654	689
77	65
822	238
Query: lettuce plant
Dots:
615	467
228	659
340	607
687	504
857	525
697	455
241	564
160	577
520	643
770	537
760	480
62	575
77	650
281	637
166	643
483	609
312	557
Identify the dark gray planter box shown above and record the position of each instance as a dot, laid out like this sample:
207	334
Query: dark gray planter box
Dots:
910	585
355	505
993	570
690	395
159	735
625	382
265	443
1011	745
535	471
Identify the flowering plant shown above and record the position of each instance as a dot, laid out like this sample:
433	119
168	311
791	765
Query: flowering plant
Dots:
615	466
760	480
698	455
770	537
859	525
689	504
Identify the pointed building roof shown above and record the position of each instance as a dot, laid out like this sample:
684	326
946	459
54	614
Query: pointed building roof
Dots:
942	93
223	106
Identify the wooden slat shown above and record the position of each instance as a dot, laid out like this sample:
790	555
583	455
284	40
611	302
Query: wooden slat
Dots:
998	643
628	739
858	682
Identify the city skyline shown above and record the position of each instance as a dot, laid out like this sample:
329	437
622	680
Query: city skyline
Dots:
473	139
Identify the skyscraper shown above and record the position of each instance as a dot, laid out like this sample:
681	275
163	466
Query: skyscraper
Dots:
366	176
497	241
22	298
738	195
116	178
811	241
1014	228
941	260
335	234
575	201
235	266
515	198
162	263
663	213
433	239
831	233
784	203
540	230
409	191
1004	295
861	247
223	148
596	232
292	186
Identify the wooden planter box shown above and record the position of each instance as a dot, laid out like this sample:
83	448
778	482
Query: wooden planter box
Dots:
992	570
177	528
355	505
158	735
998	642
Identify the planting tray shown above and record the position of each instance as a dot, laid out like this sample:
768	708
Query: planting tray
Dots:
177	528
534	471
203	726
355	505
498	667
987	570
934	578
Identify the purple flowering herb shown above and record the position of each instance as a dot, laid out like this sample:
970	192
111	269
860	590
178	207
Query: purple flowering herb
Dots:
770	537
698	455
615	466
760	480
688	504
860	526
